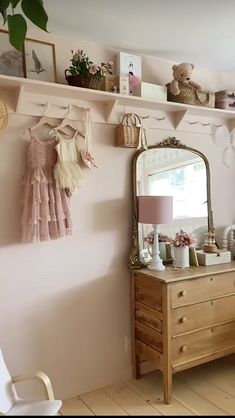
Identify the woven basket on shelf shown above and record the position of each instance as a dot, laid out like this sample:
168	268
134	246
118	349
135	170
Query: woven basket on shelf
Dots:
190	95
89	82
128	132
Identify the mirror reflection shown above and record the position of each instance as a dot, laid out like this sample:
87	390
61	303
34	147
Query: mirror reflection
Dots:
178	173
172	169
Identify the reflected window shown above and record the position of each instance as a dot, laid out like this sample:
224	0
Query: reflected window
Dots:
187	183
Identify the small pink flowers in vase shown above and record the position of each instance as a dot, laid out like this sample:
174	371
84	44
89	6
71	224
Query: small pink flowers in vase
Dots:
180	248
183	239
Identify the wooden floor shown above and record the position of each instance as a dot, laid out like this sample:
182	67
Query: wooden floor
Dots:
203	390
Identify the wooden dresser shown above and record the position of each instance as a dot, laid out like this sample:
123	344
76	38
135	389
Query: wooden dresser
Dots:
182	318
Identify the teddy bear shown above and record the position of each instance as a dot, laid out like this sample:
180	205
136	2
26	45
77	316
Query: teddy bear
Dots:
182	73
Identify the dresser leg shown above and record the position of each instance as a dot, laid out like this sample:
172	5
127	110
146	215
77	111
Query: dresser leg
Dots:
167	383
136	369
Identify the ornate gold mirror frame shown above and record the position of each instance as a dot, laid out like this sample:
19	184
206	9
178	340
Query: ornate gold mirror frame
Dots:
134	259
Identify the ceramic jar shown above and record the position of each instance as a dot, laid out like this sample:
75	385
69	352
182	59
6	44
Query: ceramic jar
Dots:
180	256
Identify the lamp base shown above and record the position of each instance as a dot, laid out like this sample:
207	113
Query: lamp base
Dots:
157	266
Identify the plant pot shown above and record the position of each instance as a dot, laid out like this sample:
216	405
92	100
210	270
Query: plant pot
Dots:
180	257
89	82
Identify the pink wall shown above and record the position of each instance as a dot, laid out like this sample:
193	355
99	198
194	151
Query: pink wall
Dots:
65	304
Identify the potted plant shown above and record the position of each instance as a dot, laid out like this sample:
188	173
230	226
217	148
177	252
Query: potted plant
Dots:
17	26
85	73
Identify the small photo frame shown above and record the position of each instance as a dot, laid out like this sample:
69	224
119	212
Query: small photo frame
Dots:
11	60
193	260
145	257
40	62
124	84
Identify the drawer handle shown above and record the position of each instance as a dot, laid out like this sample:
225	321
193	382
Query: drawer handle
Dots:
182	293
184	348
183	319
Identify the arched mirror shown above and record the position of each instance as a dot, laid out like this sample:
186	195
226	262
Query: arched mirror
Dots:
171	168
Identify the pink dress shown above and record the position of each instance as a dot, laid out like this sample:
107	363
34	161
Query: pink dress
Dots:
46	212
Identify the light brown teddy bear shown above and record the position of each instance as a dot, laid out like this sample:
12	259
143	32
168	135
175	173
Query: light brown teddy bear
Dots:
182	74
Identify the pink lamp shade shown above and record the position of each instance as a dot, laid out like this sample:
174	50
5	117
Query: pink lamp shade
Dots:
155	209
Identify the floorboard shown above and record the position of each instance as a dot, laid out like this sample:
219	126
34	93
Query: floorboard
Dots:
208	389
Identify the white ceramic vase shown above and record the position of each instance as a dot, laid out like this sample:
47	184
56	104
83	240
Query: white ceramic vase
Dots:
180	257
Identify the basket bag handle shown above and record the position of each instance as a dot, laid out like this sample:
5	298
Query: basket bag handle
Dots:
133	119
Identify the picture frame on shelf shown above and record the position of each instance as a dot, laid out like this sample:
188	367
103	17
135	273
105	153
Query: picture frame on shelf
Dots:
109	82
11	60
40	60
130	65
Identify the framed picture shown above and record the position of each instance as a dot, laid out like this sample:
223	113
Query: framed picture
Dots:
40	63
11	60
131	65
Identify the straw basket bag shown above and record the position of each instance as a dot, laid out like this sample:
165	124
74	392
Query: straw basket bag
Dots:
190	95
130	133
3	116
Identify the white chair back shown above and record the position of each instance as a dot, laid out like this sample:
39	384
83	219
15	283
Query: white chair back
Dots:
8	394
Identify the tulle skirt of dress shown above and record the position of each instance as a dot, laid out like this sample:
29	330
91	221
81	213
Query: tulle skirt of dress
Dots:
68	174
46	213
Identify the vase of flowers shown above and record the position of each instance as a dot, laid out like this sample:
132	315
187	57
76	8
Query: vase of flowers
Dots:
180	249
85	73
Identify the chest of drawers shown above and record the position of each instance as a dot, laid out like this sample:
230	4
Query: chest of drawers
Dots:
182	318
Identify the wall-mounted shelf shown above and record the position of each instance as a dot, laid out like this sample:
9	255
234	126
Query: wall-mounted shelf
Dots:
24	96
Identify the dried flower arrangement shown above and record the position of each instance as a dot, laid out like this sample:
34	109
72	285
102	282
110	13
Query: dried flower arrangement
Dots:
183	239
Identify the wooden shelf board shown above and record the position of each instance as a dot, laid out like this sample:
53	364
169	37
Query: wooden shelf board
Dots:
110	100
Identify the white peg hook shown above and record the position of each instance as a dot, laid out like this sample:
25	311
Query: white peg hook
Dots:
68	110
45	108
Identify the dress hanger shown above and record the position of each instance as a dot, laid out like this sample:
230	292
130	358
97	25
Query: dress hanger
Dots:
70	123
44	120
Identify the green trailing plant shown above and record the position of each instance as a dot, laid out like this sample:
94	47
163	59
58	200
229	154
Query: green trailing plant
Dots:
17	25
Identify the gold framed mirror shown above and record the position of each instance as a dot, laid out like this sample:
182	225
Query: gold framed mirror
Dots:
171	168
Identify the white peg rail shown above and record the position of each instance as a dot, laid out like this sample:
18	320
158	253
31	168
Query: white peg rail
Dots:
26	96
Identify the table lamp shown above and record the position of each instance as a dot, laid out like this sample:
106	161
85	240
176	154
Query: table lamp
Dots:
155	210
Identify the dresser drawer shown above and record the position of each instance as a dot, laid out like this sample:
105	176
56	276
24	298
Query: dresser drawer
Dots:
192	291
188	318
203	343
